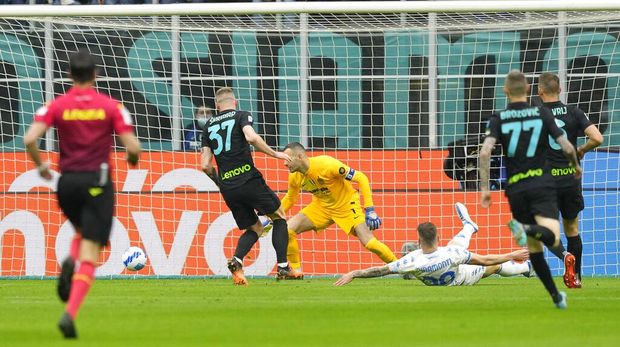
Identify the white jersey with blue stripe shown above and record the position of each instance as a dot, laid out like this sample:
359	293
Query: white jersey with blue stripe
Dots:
440	268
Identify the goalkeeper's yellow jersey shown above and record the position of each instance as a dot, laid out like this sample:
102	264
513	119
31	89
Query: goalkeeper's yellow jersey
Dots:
329	181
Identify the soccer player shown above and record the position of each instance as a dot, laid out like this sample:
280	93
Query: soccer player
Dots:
86	122
575	123
452	265
227	137
334	201
524	132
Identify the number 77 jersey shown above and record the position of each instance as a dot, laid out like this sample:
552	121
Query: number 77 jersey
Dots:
523	131
223	134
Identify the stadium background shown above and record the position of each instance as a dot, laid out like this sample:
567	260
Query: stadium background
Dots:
348	117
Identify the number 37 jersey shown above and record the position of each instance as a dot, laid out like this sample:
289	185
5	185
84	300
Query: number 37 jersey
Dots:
524	132
440	268
223	134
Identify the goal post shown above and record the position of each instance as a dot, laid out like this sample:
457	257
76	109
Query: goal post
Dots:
398	90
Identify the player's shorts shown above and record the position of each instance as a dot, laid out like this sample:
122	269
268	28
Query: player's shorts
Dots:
88	206
527	204
570	201
254	195
468	275
347	217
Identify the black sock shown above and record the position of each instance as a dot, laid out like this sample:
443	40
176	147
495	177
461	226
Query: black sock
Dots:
543	272
575	247
558	251
245	243
279	239
540	233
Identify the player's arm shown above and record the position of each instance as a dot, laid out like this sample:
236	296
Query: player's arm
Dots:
595	139
292	194
484	168
376	271
494	259
31	140
255	140
206	161
569	151
132	146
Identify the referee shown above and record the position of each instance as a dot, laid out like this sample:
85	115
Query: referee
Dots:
86	122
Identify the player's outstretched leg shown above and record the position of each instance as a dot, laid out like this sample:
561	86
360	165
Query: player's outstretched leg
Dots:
469	228
561	304
64	279
65	324
518	233
236	269
463	214
513	268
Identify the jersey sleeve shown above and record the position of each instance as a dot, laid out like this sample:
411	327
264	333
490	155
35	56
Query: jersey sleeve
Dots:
121	119
204	141
245	118
335	168
493	127
45	114
582	120
459	255
403	265
550	124
292	193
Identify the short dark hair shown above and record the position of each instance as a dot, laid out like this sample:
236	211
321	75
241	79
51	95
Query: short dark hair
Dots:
549	82
428	233
82	66
516	83
295	147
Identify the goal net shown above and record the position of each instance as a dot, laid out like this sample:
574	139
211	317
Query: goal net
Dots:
401	97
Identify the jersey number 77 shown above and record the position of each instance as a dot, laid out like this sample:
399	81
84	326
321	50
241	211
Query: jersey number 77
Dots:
514	129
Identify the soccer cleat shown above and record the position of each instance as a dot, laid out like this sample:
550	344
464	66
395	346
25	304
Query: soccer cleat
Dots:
518	232
65	324
461	210
288	273
531	272
561	301
570	279
236	269
64	279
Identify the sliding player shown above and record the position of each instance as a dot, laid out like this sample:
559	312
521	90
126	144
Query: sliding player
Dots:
334	201
86	122
575	123
452	265
524	132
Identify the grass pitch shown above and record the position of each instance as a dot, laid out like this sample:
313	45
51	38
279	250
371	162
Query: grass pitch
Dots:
371	312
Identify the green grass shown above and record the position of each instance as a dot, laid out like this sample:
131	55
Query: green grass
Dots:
372	312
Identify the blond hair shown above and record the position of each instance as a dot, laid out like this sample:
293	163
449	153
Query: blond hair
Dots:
516	83
549	83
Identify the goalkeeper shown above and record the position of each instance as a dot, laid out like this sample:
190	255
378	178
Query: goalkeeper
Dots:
334	201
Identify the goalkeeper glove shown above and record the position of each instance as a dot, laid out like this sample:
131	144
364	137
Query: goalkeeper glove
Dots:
372	219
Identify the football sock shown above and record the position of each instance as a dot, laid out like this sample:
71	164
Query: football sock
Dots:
245	243
81	283
292	251
540	233
279	239
463	237
575	247
74	249
512	268
558	251
379	248
542	270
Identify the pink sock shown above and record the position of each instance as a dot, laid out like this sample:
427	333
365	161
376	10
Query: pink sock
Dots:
81	282
74	250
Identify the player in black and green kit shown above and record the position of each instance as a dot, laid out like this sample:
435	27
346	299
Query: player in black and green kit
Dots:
227	136
575	123
524	132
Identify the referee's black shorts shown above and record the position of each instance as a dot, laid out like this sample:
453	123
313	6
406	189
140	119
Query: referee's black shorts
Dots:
570	201
535	202
88	206
254	195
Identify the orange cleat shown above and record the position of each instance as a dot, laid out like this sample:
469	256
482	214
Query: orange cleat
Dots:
288	273
570	279
236	269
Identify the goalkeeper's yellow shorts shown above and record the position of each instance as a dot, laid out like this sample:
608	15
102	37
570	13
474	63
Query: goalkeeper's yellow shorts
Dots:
347	217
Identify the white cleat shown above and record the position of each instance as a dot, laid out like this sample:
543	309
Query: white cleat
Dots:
461	210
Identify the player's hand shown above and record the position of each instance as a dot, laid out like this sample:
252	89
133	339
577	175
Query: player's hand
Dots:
520	255
372	219
44	171
346	278
132	158
485	199
283	156
578	172
580	153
